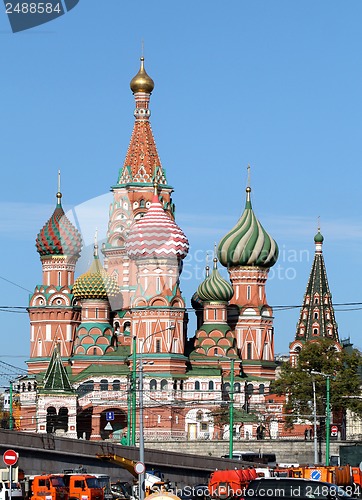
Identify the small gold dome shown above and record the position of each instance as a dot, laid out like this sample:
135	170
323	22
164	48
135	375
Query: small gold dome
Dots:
142	82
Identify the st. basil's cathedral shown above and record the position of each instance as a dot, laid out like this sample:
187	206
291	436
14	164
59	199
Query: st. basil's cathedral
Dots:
91	336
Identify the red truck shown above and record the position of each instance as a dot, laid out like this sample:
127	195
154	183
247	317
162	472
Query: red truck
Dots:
230	484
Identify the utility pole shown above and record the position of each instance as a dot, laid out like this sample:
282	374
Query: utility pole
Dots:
11	418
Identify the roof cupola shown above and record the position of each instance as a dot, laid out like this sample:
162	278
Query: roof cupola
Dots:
248	244
96	283
142	82
58	236
156	234
215	288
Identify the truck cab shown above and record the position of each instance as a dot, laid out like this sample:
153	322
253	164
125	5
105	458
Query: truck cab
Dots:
83	487
48	487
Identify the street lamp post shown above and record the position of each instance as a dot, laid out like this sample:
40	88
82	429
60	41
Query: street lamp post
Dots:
328	419
315	437
231	404
328	412
133	392
231	410
141	482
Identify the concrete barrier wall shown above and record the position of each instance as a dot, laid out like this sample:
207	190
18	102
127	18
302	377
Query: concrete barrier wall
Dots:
287	451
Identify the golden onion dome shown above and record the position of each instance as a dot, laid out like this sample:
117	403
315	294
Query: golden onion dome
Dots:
142	82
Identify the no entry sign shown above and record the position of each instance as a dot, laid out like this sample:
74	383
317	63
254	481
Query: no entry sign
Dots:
10	457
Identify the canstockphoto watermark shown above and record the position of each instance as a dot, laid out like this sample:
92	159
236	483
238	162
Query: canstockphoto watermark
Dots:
26	14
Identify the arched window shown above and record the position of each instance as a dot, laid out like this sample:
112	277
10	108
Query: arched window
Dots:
153	385
315	331
250	389
237	387
261	388
197	385
211	385
62	420
116	385
227	387
164	385
199	415
51	419
316	315
103	385
249	346
85	388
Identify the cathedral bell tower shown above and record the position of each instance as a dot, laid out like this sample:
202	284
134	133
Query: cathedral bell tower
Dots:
133	192
316	319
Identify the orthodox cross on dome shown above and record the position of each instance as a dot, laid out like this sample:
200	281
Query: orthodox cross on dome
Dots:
59	194
95	248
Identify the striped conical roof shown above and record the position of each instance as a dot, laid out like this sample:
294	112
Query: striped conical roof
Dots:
215	288
96	283
156	234
59	236
248	244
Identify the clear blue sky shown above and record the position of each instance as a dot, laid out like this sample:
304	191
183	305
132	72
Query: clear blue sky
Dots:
273	83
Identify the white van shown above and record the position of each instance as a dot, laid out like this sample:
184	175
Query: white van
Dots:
16	491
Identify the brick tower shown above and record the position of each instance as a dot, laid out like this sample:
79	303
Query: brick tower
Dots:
53	316
248	252
316	319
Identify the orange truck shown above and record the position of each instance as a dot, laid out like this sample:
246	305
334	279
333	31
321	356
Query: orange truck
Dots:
46	487
83	487
340	475
230	484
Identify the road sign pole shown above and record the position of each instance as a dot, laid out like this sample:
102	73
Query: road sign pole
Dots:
10	480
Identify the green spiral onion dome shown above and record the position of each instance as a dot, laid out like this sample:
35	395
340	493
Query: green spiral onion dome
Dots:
214	288
59	236
248	244
318	238
96	283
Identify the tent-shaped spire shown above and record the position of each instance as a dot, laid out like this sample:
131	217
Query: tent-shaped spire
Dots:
317	314
56	378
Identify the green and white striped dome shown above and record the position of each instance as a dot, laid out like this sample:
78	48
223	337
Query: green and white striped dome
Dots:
248	244
214	288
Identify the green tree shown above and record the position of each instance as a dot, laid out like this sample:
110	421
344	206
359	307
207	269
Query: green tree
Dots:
296	382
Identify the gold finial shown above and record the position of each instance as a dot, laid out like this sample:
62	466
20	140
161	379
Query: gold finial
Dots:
59	194
142	82
95	252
